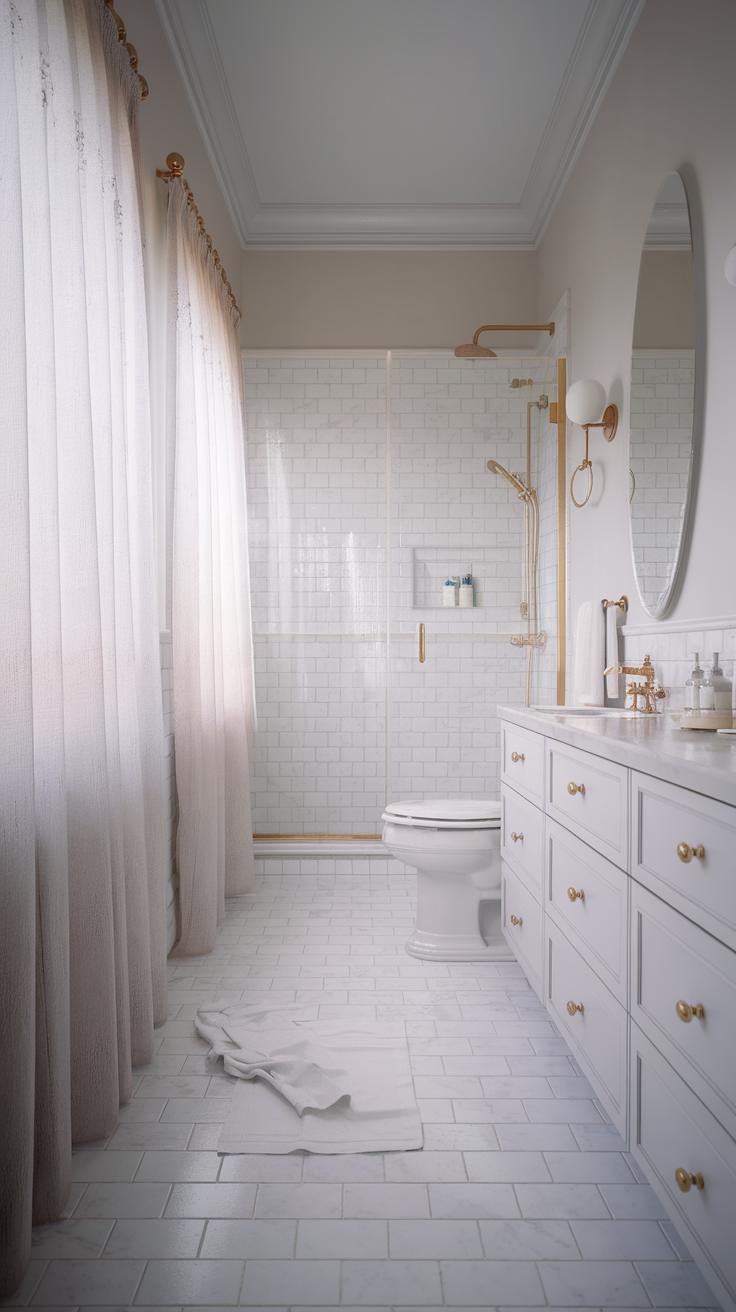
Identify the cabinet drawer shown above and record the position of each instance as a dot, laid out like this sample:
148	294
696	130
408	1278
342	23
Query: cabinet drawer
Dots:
671	1129
524	932
521	837
589	795
596	918
704	889
674	961
597	1034
522	761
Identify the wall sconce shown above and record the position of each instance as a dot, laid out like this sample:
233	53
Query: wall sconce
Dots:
585	401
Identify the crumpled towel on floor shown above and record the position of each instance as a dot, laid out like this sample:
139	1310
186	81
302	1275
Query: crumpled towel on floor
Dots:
323	1086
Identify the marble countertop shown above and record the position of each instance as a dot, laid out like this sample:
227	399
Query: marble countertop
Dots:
654	744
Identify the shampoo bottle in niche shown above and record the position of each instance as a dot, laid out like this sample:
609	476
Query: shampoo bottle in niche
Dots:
466	591
450	591
692	686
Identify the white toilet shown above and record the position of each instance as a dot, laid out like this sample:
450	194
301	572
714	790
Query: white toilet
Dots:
454	844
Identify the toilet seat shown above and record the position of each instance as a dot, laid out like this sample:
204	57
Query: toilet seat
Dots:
445	813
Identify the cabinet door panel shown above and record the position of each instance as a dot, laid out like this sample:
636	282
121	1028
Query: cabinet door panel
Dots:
587	896
589	795
598	1033
673	961
703	887
522	925
521	837
671	1130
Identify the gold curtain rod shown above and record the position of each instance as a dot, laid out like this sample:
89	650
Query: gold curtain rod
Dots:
132	52
175	162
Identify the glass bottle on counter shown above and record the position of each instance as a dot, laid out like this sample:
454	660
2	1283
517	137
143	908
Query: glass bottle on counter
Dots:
692	686
715	691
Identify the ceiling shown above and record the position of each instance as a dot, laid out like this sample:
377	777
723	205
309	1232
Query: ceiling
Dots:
395	123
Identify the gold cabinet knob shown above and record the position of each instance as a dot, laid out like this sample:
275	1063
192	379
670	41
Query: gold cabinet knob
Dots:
572	894
572	1007
685	1180
517	838
576	788
686	1012
686	852
517	920
517	756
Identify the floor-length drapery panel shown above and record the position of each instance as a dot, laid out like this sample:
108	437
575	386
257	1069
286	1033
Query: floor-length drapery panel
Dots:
82	953
209	583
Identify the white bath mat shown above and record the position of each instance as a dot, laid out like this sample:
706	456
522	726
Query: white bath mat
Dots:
323	1086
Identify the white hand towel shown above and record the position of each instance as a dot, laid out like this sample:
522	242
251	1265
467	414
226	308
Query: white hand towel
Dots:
612	680
589	652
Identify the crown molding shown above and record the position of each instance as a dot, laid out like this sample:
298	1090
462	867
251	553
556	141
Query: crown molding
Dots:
604	35
603	38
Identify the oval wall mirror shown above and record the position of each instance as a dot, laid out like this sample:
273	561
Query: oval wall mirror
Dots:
661	416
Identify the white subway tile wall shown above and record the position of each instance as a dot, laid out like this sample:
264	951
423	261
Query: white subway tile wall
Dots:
673	654
660	447
336	624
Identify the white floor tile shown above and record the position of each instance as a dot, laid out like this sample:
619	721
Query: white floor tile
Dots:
523	1194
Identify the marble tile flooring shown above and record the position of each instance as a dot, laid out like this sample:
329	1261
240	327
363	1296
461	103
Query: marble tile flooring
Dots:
523	1196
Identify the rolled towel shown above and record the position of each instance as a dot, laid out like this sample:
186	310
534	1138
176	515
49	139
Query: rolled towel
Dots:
613	679
589	653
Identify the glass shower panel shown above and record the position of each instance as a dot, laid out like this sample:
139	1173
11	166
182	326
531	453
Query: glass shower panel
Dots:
316	461
451	516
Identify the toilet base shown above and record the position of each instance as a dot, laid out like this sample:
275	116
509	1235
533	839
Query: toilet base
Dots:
457	947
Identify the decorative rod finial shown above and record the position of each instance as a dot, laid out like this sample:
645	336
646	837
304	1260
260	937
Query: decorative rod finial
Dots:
175	162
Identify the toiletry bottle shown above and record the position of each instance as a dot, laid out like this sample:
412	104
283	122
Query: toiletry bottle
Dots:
692	687
721	688
466	590
449	593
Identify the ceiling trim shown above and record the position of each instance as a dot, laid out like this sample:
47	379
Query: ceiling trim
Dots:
603	37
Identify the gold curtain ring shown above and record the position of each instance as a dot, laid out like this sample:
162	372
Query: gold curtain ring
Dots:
586	464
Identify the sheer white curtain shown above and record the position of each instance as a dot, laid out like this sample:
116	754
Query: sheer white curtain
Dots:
209	584
82	956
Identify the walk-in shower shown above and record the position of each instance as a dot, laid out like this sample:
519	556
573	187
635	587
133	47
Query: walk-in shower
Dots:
368	488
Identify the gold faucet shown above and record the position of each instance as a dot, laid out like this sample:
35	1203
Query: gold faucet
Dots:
650	694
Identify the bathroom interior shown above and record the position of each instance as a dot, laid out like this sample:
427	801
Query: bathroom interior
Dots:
485	260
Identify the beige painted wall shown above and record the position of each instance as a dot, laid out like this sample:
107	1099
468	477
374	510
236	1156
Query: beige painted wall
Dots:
384	298
671	105
664	316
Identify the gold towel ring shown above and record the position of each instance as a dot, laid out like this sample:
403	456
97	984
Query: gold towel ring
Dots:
586	464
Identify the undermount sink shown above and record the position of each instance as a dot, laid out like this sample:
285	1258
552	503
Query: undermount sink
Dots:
612	712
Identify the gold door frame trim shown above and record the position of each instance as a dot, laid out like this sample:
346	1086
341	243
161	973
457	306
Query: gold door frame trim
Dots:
561	530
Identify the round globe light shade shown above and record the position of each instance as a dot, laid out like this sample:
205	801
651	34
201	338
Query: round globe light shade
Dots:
730	266
585	401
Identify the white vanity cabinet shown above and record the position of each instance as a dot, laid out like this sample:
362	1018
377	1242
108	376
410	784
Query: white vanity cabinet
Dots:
619	870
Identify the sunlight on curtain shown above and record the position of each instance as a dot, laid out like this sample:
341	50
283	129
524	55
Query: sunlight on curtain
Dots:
209	584
82	955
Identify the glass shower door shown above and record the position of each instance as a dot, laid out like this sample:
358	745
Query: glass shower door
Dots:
316	464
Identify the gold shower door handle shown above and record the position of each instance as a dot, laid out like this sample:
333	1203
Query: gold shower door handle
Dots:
422	645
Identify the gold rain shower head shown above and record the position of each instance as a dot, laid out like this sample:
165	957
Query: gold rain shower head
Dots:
476	352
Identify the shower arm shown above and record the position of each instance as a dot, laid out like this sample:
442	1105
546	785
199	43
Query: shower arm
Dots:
514	328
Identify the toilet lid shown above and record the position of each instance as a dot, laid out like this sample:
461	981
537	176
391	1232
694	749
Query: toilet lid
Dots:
447	812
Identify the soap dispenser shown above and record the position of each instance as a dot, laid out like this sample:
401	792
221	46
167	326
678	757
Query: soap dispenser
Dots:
720	697
692	686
